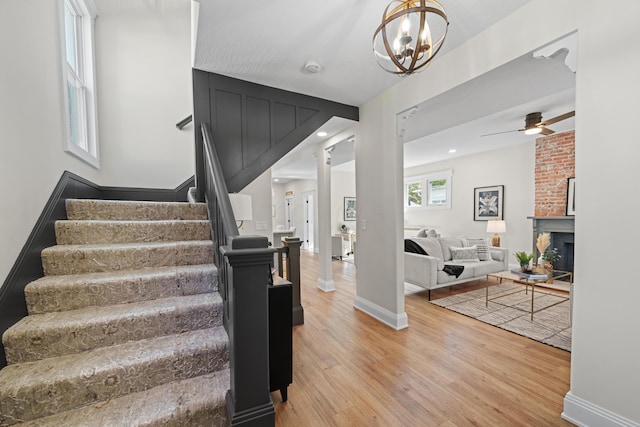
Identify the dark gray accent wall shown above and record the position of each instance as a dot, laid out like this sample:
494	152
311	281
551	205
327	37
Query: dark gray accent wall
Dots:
28	265
253	125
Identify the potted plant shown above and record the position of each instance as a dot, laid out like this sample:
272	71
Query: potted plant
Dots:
524	259
344	228
550	256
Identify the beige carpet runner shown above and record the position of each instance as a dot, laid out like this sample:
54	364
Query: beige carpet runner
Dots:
125	328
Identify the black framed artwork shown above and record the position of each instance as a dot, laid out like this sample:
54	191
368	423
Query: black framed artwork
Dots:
488	203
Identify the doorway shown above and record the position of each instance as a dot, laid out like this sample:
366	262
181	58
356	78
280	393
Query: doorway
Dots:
308	200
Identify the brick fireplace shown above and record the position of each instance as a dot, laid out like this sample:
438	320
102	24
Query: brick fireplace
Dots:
555	163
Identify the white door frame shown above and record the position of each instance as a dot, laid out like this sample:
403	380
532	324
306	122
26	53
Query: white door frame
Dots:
308	200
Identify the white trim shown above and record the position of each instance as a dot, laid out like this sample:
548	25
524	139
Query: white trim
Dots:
92	154
584	414
424	181
396	320
326	285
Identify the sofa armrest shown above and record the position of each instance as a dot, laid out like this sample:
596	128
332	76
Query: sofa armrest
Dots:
421	270
500	254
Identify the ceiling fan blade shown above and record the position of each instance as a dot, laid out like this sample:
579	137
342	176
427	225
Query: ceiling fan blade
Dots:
557	119
505	131
546	131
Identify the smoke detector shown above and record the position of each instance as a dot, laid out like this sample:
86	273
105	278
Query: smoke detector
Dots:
312	67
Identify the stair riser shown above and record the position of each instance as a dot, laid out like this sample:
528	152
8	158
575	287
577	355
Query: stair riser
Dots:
142	211
97	232
61	293
78	259
38	341
118	378
194	402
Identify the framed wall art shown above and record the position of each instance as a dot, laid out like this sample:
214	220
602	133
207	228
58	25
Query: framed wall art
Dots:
488	203
571	196
349	208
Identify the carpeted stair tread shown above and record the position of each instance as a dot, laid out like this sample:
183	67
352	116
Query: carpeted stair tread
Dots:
192	402
58	333
88	209
74	291
76	232
36	389
75	259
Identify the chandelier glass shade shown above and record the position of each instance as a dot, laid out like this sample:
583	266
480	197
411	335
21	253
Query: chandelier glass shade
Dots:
410	35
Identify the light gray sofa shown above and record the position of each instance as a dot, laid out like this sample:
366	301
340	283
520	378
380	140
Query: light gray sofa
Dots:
430	271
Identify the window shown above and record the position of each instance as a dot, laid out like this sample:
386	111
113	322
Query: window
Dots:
438	191
79	82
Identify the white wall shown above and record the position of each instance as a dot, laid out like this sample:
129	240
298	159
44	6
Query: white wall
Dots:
605	377
31	120
512	167
144	88
605	365
343	184
260	191
298	187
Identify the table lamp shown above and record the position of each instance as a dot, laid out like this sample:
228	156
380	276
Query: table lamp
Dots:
496	226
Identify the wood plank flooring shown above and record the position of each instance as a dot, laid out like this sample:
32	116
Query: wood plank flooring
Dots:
444	370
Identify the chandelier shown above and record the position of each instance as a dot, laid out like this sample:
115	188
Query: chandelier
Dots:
410	35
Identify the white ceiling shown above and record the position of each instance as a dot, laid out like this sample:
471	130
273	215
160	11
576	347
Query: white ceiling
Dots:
269	43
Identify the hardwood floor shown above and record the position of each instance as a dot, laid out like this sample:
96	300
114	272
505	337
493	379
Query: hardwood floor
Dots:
444	370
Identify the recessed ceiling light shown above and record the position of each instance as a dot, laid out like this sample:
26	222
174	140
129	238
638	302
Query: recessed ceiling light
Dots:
321	134
453	150
276	180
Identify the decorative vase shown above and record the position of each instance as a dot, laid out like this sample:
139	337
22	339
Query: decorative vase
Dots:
524	267
540	261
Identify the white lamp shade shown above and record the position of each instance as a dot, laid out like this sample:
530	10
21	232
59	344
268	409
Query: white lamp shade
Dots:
496	226
241	205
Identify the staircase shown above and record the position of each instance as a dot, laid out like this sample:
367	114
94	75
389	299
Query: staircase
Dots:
126	326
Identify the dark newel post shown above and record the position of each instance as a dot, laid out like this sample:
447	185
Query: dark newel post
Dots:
293	275
248	401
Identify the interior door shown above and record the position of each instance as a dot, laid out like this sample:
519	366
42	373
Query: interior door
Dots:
309	224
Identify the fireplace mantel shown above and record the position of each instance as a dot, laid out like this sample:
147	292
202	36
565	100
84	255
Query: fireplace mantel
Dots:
552	224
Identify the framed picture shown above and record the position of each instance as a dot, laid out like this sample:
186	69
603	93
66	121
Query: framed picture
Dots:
571	196
349	208
488	203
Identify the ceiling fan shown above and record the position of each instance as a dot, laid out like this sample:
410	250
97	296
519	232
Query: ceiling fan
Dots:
533	124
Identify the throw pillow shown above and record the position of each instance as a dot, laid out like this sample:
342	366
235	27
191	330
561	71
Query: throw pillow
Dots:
469	254
483	248
447	242
427	232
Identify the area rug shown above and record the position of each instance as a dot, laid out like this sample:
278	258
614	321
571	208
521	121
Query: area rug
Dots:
550	326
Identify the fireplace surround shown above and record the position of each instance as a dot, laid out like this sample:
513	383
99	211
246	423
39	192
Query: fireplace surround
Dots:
562	231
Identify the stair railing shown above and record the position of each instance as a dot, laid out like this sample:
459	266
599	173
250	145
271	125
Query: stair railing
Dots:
244	266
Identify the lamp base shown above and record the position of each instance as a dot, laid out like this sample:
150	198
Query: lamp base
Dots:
495	241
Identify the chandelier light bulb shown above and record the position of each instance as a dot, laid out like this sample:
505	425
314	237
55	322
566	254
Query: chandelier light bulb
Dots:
402	48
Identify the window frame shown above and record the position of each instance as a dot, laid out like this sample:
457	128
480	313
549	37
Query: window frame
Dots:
425	181
82	78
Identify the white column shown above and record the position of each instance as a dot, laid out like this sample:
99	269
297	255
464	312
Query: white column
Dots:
325	275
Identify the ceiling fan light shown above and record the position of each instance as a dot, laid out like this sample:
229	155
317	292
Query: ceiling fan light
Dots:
532	131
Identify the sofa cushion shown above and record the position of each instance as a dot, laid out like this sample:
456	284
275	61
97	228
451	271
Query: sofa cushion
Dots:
447	242
483	248
432	247
483	268
467	254
443	277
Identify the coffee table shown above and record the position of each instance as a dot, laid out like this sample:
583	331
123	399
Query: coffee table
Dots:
528	280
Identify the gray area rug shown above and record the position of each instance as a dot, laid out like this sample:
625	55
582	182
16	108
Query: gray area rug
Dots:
550	326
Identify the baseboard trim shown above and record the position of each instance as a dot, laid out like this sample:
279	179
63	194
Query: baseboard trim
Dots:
584	414
326	285
396	320
28	265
